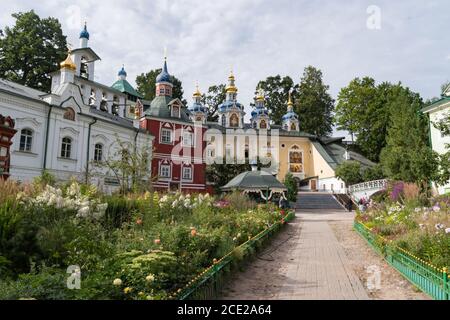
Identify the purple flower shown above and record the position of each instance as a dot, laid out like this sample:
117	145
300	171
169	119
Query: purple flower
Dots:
397	191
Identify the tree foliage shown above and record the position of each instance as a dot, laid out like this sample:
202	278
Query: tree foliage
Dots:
314	105
407	156
292	187
349	172
212	99
221	174
31	50
146	85
444	159
276	91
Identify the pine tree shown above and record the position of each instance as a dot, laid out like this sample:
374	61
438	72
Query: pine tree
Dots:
314	104
407	156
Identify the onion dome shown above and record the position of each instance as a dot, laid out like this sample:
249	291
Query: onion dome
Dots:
68	63
290	114
197	106
231	88
164	76
84	33
122	72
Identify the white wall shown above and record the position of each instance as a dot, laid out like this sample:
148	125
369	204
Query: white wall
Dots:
439	141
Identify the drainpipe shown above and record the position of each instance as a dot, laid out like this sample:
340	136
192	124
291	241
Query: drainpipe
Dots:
89	149
44	167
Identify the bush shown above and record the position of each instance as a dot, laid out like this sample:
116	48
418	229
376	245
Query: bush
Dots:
292	187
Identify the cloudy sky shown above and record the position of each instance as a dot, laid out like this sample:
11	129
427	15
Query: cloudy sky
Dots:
403	40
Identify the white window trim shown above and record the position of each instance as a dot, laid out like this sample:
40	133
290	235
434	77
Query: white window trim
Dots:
161	165
33	140
289	160
161	136
192	145
72	148
191	168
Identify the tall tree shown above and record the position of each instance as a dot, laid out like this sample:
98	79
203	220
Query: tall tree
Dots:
407	156
444	159
31	50
213	98
276	91
314	104
146	85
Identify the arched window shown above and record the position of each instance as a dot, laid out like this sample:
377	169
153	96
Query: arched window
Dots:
224	121
84	68
234	120
295	160
98	152
104	103
263	124
69	114
26	140
92	98
293	127
66	148
115	106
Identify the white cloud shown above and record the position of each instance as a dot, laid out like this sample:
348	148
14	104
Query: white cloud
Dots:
259	38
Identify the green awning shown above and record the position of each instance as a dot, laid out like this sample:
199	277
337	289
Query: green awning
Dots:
254	180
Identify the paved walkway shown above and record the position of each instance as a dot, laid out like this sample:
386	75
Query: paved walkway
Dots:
306	262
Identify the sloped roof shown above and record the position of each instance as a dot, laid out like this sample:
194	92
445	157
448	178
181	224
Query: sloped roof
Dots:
125	86
251	180
159	107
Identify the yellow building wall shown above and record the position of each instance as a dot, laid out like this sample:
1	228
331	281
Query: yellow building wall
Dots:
286	144
321	168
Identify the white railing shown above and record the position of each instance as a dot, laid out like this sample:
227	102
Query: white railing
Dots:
369	185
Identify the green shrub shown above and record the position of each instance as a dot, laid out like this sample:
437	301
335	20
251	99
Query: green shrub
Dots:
292	187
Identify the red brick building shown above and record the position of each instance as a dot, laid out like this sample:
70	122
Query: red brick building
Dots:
178	147
7	132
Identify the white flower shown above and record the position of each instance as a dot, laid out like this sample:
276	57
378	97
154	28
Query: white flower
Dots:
117	282
439	226
150	278
83	212
447	231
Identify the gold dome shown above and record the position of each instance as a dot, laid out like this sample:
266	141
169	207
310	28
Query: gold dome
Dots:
197	92
231	77
68	63
290	103
260	95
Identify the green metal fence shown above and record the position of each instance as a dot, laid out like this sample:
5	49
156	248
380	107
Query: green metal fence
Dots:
430	279
209	284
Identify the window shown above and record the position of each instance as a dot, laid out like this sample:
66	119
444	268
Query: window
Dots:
98	152
104	103
224	121
92	98
187	173
84	68
293	127
26	140
263	124
175	111
295	160
164	171
115	106
69	114
66	148
188	139
234	120
166	136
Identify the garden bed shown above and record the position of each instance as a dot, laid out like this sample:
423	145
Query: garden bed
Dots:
142	246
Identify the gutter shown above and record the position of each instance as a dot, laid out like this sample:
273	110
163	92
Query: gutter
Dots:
89	149
44	167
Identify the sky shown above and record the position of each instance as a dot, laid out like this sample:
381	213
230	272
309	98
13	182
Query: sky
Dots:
402	40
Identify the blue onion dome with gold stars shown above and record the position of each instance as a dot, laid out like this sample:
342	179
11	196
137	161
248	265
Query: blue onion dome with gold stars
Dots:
290	114
164	76
260	108
84	33
231	96
197	106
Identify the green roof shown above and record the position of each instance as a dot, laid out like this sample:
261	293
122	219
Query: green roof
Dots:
159	107
436	103
125	86
251	180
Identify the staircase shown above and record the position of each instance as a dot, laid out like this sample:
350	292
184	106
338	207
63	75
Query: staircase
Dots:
309	200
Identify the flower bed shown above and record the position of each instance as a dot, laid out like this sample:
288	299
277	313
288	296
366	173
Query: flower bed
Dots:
137	247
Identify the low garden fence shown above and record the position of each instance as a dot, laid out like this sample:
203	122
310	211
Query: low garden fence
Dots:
209	284
432	280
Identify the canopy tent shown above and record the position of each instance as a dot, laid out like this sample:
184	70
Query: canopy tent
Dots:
261	182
